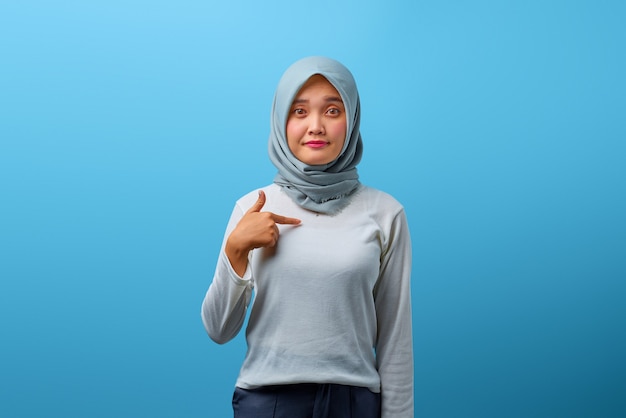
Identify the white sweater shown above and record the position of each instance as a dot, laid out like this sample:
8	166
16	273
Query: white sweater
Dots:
332	299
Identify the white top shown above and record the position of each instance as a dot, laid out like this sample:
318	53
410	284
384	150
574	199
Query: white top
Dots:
332	299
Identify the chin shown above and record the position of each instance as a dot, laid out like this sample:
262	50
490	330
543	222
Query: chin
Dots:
316	161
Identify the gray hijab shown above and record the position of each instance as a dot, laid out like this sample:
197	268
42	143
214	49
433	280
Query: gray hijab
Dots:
321	188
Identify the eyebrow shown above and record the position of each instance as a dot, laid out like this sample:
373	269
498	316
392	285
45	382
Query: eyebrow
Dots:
328	99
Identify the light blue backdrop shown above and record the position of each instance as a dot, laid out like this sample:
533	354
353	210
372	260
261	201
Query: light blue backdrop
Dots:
129	128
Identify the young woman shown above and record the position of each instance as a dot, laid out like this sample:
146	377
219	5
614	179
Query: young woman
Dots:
329	260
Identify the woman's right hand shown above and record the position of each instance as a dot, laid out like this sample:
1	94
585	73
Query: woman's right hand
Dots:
255	229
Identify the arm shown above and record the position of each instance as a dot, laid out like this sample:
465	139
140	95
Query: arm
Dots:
394	347
225	304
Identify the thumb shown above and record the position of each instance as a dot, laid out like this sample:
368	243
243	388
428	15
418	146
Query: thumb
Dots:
258	205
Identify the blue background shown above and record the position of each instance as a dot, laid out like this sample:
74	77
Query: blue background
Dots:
129	128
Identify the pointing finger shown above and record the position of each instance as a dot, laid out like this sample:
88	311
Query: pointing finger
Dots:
279	219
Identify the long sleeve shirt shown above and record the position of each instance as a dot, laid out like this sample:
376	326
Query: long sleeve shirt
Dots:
332	299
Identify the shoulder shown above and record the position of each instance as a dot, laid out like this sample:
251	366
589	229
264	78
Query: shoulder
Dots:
378	201
385	211
272	191
379	207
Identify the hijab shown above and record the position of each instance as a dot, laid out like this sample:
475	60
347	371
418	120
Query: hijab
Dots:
321	188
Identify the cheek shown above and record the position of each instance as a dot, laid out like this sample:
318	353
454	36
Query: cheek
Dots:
293	136
292	131
339	129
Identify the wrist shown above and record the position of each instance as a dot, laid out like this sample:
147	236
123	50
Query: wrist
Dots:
238	258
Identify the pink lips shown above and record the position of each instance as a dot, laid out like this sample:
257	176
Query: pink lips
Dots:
316	144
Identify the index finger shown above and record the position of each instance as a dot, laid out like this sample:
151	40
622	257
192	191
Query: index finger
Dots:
280	219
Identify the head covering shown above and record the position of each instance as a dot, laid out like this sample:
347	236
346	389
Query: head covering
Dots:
321	188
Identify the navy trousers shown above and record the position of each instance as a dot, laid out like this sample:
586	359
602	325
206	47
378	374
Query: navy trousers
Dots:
307	400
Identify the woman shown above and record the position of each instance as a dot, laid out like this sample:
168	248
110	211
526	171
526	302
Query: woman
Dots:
329	259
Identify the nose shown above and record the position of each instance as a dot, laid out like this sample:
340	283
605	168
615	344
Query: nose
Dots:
316	125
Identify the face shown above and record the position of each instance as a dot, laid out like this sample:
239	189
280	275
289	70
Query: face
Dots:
316	125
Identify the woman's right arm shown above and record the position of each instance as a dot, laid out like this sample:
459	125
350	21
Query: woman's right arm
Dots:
224	306
225	303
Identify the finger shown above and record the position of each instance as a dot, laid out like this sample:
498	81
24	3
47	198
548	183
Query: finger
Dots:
279	219
260	202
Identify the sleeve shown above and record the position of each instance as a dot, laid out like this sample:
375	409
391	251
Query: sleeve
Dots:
394	345
226	301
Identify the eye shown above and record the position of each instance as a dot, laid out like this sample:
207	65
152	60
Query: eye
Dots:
298	112
333	111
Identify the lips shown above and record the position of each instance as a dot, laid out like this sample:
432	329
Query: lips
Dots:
316	144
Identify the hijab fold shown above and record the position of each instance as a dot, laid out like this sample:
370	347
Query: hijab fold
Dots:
323	188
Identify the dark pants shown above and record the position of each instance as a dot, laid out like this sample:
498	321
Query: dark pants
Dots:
306	401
